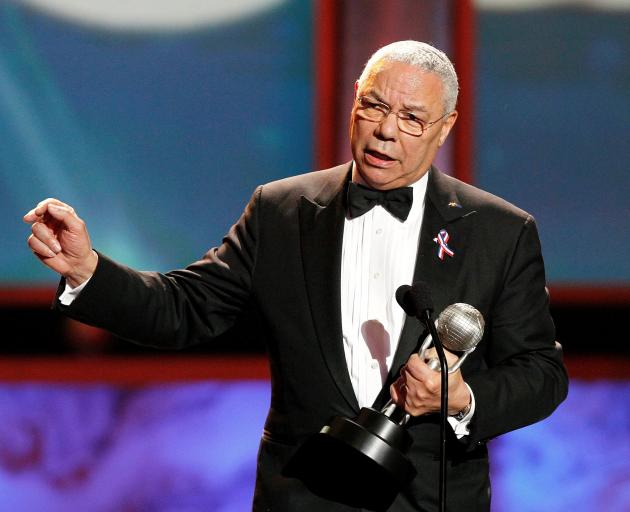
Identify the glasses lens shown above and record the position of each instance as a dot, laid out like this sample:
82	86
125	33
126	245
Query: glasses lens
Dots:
410	126
371	110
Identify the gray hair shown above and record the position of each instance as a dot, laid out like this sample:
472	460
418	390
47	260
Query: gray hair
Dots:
423	56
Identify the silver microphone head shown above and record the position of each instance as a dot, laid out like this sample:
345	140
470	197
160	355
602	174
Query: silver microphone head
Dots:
460	327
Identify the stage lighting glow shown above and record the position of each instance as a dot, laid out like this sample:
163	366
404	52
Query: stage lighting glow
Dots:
152	15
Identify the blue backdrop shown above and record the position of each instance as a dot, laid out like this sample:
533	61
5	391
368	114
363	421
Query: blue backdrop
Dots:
157	138
553	104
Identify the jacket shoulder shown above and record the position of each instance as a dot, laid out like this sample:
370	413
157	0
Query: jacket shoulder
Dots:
317	186
483	202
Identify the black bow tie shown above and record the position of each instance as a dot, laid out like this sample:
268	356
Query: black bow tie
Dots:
362	199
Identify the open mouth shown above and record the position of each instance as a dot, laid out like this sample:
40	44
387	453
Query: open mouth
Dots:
379	156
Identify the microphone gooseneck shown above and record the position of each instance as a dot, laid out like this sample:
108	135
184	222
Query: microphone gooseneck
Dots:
416	301
459	328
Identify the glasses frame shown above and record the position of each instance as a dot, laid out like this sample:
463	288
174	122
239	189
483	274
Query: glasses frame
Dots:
398	113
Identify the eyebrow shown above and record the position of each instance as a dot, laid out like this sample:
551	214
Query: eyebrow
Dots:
406	106
415	106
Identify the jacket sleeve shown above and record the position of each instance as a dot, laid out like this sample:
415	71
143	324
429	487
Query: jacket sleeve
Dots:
179	308
525	379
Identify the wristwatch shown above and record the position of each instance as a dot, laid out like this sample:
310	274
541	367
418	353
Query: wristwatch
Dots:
459	416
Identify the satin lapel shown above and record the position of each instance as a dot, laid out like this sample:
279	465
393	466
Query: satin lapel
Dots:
442	211
321	235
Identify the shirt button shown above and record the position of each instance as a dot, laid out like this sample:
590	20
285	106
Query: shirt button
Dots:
379	231
374	365
377	275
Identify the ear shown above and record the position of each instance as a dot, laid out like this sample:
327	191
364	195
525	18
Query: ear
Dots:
446	127
356	88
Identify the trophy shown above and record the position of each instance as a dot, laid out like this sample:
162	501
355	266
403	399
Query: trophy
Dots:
362	461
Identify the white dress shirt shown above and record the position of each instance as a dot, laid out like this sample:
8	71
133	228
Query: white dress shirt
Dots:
379	255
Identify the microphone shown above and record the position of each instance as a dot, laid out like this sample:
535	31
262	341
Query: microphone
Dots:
415	300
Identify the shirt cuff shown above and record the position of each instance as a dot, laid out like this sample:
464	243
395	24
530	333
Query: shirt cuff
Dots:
460	427
69	293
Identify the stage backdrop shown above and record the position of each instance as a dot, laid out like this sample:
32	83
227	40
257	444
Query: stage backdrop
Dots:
156	130
551	131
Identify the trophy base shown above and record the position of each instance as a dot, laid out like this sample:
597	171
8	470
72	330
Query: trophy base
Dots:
359	462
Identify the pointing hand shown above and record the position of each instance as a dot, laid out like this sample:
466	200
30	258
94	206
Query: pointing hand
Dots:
60	240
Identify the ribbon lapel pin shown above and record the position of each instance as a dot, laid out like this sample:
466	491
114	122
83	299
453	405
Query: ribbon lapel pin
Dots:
442	240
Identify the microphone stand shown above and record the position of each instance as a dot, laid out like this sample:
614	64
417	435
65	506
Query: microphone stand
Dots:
443	410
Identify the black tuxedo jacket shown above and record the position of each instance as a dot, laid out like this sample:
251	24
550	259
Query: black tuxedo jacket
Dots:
282	260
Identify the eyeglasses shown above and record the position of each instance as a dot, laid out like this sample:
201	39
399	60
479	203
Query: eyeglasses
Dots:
375	111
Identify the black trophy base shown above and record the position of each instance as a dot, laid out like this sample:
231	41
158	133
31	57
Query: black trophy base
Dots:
359	462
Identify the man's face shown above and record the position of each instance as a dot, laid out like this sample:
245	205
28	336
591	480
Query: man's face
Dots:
386	157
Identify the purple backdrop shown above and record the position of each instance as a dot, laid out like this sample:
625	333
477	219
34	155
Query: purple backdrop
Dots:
192	447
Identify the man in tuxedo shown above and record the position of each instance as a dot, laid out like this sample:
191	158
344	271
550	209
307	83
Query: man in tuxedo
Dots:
318	259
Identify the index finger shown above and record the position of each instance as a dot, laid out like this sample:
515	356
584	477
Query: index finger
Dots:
417	368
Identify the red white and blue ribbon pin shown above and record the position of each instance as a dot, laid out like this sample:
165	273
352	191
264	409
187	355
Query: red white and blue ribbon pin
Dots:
442	241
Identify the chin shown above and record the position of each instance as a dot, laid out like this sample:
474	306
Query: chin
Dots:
379	179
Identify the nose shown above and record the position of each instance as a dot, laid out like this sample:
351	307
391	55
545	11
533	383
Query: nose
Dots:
387	129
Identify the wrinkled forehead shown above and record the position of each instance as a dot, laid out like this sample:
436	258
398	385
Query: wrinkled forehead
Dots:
395	68
413	82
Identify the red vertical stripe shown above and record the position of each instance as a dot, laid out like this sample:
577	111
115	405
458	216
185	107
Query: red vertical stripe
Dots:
464	60
325	17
